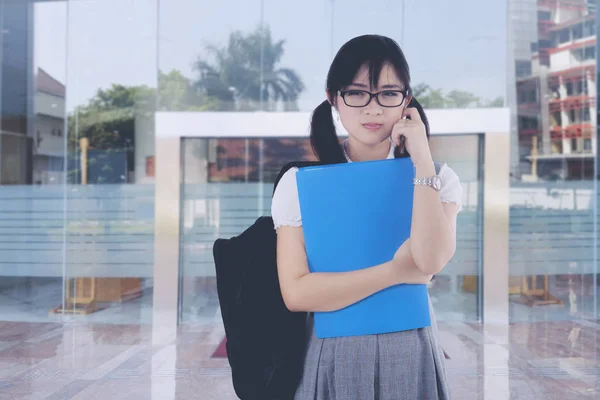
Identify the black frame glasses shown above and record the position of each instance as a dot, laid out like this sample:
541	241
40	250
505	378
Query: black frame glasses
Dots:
405	93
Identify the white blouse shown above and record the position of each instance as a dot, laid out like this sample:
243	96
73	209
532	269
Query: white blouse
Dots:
285	206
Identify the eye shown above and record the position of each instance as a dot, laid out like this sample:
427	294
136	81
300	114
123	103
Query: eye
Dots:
355	93
390	93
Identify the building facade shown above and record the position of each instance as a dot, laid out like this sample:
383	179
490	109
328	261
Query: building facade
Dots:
556	94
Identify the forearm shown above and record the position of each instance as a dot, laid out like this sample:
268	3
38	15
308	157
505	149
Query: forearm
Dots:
407	268
432	242
320	291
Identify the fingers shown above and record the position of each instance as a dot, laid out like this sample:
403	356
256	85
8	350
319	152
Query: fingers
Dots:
396	138
412	113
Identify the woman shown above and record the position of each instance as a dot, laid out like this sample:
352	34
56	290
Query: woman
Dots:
368	90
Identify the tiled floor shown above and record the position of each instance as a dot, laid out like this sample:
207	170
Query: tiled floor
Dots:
110	354
540	360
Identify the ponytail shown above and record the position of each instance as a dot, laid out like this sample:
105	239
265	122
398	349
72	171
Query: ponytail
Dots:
323	136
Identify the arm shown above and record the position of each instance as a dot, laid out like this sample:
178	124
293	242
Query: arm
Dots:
433	230
306	291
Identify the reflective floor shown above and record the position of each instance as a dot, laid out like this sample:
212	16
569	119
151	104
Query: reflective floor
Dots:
539	360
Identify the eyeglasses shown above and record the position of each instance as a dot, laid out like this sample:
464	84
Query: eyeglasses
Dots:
385	98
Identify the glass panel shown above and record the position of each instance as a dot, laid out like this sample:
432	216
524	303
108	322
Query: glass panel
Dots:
224	193
32	138
456	292
76	161
214	60
227	185
110	193
554	193
262	46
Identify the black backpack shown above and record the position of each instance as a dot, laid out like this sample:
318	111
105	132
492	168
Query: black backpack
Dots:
265	341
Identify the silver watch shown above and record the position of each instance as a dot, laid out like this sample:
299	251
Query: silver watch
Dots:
434	182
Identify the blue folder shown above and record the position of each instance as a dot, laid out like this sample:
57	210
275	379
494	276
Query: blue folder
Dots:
354	216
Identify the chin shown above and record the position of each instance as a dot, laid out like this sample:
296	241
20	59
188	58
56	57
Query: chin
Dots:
372	138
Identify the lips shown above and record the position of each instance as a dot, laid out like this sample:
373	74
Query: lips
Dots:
372	127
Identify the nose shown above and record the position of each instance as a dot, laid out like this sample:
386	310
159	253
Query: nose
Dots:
373	108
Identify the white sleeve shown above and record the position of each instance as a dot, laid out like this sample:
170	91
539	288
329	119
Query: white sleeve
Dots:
285	206
452	191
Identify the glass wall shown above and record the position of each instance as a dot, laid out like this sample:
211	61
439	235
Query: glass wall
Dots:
554	192
77	208
229	56
228	184
80	86
263	58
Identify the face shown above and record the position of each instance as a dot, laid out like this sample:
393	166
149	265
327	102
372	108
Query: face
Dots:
372	124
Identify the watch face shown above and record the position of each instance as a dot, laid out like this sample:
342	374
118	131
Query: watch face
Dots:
437	183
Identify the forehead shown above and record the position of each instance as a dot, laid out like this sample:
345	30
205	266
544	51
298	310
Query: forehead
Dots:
387	76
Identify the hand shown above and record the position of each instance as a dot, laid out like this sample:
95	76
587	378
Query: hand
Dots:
414	134
405	269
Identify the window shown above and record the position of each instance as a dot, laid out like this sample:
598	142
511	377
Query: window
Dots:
577	32
532	96
526	123
239	160
581	87
587	145
522	68
589	53
564	36
584	54
572	117
55	164
589	28
585	115
574	145
544	16
526	96
569	88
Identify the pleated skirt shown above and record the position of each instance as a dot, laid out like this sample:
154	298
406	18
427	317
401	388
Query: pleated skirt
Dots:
393	366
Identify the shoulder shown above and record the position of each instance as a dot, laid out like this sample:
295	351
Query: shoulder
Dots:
285	206
452	191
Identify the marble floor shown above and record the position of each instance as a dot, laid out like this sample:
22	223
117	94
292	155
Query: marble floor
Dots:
549	352
57	361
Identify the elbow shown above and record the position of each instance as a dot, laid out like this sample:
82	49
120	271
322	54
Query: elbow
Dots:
431	259
293	306
292	301
432	264
431	267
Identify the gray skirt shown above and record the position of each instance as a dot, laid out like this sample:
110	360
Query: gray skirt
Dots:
394	366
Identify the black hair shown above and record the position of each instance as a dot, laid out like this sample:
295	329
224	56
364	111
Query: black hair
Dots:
373	51
414	104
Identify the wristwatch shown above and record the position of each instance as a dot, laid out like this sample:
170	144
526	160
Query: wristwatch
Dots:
434	182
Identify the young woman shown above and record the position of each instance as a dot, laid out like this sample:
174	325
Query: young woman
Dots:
368	90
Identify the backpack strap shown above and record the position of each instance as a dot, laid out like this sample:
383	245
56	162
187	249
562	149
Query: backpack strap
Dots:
293	164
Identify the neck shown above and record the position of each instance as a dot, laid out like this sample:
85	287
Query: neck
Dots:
358	151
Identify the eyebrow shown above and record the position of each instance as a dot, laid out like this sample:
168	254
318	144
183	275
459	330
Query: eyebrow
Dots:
361	85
